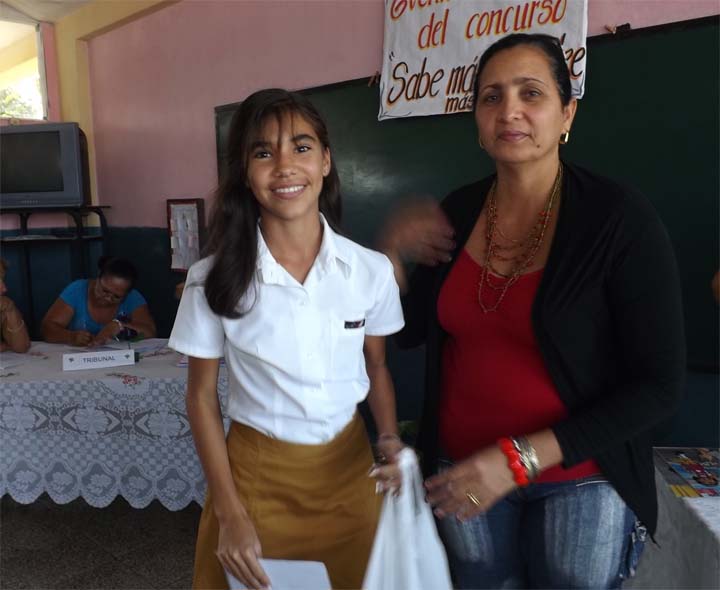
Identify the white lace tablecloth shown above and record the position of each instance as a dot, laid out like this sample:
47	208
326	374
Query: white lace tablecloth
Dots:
98	433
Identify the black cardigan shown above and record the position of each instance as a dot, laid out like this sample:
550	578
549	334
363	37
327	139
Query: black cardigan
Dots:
608	321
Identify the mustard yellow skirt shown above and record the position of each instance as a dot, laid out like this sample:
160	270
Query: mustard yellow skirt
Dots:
309	502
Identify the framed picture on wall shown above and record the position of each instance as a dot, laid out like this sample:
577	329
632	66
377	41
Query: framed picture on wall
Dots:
186	222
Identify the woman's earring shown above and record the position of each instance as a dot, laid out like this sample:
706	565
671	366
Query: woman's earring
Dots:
564	138
482	147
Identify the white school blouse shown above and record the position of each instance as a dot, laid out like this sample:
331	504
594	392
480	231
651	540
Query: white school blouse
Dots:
295	361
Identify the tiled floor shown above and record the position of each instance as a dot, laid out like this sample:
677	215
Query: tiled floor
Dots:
49	546
46	545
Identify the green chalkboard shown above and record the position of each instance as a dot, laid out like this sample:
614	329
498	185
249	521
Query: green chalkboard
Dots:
649	118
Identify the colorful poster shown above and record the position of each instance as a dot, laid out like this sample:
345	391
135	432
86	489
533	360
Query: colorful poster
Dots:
432	48
698	467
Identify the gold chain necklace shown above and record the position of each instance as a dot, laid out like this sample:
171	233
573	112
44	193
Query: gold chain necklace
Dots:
524	259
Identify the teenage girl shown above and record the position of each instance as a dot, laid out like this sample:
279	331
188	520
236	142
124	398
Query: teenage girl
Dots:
300	314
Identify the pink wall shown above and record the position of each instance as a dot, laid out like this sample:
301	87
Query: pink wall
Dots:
645	13
156	81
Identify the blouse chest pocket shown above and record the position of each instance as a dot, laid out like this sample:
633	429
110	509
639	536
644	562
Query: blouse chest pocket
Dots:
348	337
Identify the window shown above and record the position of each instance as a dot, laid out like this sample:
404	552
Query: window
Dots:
21	84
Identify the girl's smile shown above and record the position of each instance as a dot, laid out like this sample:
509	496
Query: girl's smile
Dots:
288	192
287	167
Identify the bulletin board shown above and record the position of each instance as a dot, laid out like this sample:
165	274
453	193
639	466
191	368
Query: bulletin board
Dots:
186	222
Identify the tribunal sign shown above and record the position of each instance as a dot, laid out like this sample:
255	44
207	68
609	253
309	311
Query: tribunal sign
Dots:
98	359
432	48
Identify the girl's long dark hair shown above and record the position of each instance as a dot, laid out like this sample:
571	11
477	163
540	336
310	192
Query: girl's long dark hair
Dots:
233	226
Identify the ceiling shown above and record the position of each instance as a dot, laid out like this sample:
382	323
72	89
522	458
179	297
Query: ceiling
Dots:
19	17
38	10
11	32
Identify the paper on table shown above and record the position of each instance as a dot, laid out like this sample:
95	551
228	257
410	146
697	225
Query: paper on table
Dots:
290	575
112	345
9	359
142	346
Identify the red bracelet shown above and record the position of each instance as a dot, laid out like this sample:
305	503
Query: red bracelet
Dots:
519	472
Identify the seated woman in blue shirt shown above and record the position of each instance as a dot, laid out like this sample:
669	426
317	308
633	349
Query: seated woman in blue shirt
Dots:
89	312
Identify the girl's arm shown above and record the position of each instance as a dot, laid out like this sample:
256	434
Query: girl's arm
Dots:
381	400
14	332
238	544
55	322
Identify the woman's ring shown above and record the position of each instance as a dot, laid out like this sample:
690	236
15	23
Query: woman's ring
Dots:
472	498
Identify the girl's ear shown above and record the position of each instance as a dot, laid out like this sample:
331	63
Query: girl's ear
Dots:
327	162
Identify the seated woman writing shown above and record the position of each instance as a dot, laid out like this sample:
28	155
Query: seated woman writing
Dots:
89	312
13	332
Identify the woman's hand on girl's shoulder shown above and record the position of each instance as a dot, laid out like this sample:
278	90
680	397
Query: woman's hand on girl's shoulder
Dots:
418	231
472	486
239	551
386	471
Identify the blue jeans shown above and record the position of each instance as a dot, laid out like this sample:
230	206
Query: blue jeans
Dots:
574	534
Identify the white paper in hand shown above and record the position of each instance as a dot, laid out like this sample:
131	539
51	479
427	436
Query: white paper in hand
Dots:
290	575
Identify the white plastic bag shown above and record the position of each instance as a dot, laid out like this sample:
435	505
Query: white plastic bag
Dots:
407	552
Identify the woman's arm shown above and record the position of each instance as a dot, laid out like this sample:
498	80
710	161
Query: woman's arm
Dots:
487	476
15	336
421	234
238	544
644	298
418	232
55	322
142	322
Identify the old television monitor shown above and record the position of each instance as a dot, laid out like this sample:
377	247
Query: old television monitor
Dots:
43	165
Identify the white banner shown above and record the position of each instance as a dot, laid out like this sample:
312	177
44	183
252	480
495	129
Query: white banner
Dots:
432	48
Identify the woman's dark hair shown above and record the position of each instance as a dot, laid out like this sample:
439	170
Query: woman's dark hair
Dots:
233	227
117	267
549	45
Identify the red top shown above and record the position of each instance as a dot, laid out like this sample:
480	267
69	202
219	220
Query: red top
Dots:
494	380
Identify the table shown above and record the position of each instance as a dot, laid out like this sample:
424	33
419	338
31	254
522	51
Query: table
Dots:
98	433
688	551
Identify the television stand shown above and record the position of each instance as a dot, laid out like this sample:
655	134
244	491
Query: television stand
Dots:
77	235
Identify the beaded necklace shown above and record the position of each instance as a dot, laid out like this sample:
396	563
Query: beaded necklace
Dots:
528	247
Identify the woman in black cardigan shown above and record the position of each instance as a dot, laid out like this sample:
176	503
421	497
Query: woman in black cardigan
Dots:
549	302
